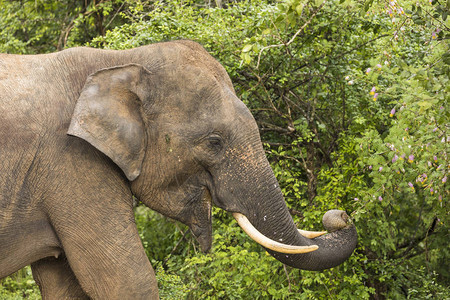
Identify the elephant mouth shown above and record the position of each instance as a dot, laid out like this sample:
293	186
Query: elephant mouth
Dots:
201	221
268	243
203	238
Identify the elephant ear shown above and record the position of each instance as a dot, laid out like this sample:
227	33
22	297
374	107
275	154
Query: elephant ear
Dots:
108	115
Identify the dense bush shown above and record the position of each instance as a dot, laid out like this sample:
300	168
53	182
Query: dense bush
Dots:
352	104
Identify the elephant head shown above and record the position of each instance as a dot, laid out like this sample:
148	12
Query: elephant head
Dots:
175	127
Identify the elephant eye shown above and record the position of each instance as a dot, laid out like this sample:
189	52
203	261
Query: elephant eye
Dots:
214	143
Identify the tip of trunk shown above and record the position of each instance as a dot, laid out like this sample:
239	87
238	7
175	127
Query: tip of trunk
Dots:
333	248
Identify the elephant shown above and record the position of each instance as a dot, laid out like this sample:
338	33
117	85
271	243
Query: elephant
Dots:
84	131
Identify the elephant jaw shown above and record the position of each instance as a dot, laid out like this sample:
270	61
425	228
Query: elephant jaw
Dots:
203	237
201	221
274	245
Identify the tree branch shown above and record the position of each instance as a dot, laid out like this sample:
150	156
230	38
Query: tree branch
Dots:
409	245
293	37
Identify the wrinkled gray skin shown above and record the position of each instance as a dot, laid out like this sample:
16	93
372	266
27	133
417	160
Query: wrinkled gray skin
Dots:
83	130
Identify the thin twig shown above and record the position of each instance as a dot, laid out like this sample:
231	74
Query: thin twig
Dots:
293	37
112	19
176	246
289	280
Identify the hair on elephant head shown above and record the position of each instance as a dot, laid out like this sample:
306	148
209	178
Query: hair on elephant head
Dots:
161	123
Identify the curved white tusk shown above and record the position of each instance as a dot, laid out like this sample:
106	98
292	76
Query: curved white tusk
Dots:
311	234
268	243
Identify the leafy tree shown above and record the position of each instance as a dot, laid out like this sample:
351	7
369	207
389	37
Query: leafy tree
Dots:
41	26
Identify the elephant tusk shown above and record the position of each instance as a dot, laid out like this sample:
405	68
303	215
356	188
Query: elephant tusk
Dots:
268	243
311	234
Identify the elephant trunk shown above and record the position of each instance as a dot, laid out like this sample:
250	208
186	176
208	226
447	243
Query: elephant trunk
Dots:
323	252
258	197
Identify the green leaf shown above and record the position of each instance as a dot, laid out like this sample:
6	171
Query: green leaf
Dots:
424	105
318	2
299	9
246	57
367	5
247	48
446	58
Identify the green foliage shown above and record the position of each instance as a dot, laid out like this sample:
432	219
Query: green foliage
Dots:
19	286
158	240
41	26
171	286
28	27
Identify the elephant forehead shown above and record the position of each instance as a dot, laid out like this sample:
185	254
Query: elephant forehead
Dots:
187	76
194	99
191	96
224	112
